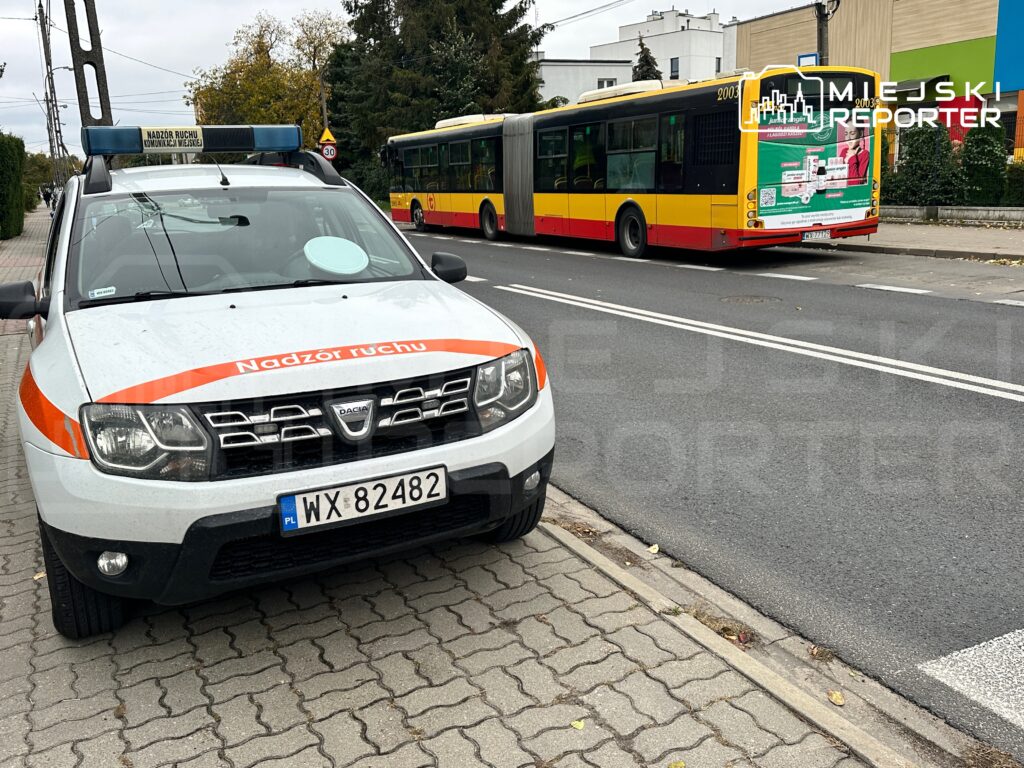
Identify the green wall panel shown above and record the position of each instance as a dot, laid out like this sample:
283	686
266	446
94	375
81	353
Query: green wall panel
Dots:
970	61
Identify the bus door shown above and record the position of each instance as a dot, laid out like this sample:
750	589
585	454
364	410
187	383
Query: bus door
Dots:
587	183
684	198
551	182
438	195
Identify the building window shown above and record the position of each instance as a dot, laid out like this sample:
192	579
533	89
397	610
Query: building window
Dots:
670	155
606	82
588	159
552	159
631	154
673	65
718	64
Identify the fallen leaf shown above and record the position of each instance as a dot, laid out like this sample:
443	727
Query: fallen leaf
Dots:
577	724
628	563
38	576
677	764
837	698
654	549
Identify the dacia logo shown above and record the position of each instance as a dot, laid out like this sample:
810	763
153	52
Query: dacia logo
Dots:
354	418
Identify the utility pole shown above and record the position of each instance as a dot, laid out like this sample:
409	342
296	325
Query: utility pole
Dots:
59	155
93	57
824	10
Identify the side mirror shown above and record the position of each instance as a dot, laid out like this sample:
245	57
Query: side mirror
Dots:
448	267
18	302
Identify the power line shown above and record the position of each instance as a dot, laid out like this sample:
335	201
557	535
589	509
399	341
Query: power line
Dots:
131	58
582	15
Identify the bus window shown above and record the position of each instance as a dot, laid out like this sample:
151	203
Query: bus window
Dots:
631	154
459	170
588	160
551	171
485	165
429	170
670	158
716	139
411	158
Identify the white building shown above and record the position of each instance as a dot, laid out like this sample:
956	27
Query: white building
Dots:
686	47
571	77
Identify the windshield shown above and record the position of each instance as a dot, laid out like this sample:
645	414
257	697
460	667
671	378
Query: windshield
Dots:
182	243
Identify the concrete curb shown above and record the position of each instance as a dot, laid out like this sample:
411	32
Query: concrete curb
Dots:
861	744
935	253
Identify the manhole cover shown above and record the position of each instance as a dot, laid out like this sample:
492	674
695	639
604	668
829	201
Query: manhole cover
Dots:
750	299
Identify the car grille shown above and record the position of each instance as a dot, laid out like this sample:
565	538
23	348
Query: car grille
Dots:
272	553
292	432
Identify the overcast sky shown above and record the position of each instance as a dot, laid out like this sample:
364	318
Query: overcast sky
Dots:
190	34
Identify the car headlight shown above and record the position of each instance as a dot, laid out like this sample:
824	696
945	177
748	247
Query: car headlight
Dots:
161	442
504	389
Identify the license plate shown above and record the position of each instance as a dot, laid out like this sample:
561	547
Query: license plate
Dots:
821	234
302	512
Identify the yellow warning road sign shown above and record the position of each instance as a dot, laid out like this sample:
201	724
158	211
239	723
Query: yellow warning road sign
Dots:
327	137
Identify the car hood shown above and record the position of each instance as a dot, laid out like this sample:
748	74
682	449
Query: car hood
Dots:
261	343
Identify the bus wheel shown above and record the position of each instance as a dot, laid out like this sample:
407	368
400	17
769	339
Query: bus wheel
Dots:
489	221
417	218
632	233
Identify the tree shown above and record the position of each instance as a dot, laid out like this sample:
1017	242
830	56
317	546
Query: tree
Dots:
459	72
927	173
984	163
273	75
646	67
12	204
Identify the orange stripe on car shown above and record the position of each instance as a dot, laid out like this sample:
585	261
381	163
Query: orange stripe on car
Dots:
157	389
542	371
59	428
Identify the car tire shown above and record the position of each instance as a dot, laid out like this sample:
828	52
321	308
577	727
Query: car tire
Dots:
79	611
519	524
631	233
418	219
489	222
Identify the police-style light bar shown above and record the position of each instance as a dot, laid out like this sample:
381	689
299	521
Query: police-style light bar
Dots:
100	140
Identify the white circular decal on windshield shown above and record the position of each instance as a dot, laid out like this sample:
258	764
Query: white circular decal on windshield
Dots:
336	255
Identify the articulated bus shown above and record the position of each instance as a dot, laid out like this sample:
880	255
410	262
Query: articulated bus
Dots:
645	164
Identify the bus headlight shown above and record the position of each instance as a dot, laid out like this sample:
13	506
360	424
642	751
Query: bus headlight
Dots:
160	442
504	389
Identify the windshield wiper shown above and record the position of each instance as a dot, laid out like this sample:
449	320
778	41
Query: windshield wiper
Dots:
294	284
140	296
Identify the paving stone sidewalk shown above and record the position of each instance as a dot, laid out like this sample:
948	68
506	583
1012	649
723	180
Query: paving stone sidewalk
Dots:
457	656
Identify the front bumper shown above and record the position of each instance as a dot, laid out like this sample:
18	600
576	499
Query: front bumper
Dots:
239	549
73	496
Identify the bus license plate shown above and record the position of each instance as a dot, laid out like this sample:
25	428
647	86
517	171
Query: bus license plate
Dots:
821	234
302	512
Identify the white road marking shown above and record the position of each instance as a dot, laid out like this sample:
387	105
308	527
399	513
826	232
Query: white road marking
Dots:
534	248
629	258
701	267
474	279
784	276
946	378
895	288
579	253
502	245
990	674
1010	302
467	240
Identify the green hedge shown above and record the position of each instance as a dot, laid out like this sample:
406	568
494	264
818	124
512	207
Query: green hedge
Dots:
1014	185
12	203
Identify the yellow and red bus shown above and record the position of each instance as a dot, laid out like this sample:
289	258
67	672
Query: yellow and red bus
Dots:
648	164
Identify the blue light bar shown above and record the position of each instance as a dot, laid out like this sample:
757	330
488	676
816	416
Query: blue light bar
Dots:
134	140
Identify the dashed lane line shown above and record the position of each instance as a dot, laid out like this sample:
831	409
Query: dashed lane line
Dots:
534	248
1010	302
700	267
954	379
783	276
895	288
475	279
631	258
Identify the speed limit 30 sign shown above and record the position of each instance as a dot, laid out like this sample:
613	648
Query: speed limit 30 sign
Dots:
329	151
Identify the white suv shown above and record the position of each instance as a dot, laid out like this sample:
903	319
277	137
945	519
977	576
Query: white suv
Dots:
245	373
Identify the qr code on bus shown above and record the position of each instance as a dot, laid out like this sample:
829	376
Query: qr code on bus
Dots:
768	197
